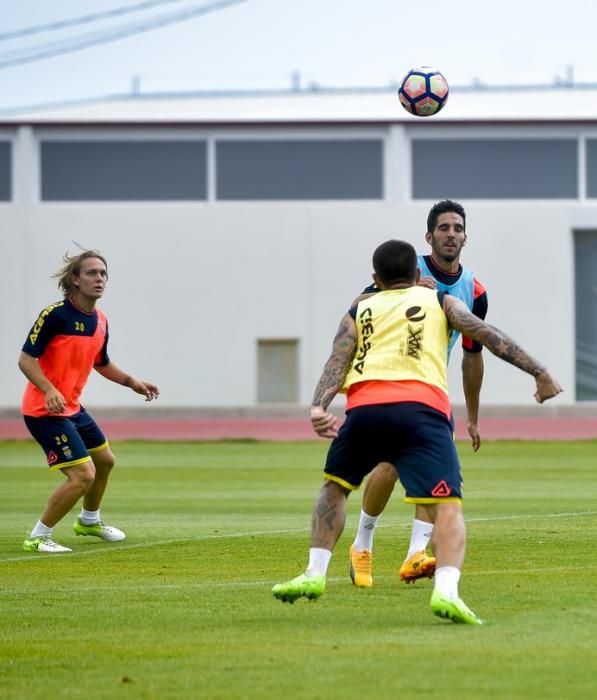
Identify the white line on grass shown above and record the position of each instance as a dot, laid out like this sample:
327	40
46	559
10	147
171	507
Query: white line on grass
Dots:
148	587
267	533
531	517
102	549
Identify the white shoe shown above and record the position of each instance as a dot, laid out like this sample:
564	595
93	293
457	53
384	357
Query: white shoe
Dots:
100	529
44	543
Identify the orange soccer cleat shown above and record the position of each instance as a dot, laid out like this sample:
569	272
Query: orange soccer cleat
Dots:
418	565
360	567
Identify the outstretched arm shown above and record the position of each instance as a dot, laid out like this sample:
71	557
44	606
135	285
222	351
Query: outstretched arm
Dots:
332	378
501	345
113	372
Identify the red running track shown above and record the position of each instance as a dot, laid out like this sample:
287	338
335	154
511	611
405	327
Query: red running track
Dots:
279	429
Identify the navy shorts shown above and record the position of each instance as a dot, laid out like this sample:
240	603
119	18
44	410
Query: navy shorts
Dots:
66	440
415	438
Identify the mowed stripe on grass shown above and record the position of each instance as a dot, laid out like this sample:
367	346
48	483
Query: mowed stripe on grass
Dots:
182	608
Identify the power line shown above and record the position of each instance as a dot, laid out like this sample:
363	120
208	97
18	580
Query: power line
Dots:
84	19
38	53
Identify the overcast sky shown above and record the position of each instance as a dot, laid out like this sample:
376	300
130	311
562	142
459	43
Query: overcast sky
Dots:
260	43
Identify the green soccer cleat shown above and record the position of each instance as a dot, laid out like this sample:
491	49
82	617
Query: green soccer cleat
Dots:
453	609
302	586
44	543
99	529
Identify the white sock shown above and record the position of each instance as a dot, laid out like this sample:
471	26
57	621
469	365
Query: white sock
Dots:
41	530
89	517
419	537
446	581
364	537
319	560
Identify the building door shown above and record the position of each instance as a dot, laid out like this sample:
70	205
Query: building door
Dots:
277	371
585	255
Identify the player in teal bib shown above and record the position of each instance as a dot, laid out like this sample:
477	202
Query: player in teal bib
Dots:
463	288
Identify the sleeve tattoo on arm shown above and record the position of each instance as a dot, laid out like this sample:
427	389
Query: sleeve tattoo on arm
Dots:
492	338
335	369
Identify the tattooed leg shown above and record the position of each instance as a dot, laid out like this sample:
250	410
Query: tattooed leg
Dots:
329	515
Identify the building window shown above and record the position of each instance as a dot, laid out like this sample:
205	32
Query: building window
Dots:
299	169
123	170
277	371
5	171
585	254
591	157
495	169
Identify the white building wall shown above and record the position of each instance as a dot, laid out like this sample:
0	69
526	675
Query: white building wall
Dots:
193	286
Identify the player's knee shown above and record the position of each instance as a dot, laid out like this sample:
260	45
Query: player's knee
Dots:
448	517
387	473
334	489
104	460
110	461
82	475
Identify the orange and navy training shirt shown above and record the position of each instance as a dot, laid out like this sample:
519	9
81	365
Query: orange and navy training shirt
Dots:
68	343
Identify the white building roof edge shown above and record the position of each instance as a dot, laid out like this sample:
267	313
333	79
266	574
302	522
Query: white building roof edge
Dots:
504	104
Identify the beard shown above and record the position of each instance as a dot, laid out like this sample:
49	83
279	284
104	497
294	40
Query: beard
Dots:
448	255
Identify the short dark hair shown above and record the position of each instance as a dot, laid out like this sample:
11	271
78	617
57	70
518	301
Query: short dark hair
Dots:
441	208
395	261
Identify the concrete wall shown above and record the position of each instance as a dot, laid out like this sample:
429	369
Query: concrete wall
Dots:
193	286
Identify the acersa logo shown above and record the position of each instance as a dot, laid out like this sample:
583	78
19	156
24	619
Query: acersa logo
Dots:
40	321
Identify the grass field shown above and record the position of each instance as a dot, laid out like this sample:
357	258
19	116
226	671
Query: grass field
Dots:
182	608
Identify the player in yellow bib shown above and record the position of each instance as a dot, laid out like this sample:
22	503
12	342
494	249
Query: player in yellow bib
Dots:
441	270
390	358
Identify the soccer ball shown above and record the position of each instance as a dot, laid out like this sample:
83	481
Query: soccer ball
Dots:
423	91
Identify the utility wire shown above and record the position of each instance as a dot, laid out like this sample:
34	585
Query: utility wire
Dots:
38	53
84	19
